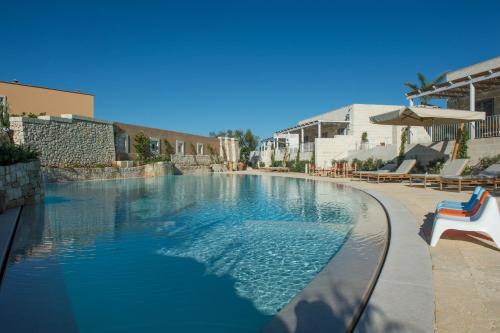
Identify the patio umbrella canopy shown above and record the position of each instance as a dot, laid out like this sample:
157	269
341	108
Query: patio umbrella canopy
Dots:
421	116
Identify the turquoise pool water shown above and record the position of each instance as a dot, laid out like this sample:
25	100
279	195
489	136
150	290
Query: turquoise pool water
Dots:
173	254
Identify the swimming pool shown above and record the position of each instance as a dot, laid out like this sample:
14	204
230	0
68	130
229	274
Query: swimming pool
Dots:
177	254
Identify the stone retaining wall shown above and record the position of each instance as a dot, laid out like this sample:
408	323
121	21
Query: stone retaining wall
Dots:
20	184
192	160
67	140
55	175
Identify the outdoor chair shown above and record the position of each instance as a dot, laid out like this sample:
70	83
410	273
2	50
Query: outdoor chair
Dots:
483	217
488	177
450	169
467	205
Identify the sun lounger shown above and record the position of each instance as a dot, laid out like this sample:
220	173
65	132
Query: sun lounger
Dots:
401	173
386	168
450	169
487	177
482	218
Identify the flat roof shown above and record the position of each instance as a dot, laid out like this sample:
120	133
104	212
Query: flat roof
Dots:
47	88
480	67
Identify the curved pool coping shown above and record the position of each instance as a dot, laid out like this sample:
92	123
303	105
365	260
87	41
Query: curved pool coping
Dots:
402	298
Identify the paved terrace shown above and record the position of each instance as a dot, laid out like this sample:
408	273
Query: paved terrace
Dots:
466	266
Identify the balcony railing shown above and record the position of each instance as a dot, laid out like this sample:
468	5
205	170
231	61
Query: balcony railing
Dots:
490	127
307	147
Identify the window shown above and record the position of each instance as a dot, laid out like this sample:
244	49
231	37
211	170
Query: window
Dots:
199	149
122	143
179	147
154	146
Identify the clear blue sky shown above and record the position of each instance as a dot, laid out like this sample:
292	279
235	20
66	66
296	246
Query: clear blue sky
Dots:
200	66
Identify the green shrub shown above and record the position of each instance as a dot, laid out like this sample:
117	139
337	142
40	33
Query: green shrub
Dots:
358	163
369	165
11	154
142	144
434	167
157	158
169	150
485	162
299	166
277	164
467	171
462	150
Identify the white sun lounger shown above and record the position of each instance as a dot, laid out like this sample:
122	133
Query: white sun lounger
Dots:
486	220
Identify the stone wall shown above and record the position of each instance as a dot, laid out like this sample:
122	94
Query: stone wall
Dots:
54	175
192	160
68	140
20	183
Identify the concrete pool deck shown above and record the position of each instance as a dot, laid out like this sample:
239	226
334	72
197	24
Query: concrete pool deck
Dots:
465	266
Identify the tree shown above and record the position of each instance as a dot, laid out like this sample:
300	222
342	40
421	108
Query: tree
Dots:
4	115
142	146
424	84
246	139
169	150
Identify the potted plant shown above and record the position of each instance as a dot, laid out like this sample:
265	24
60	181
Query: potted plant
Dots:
364	140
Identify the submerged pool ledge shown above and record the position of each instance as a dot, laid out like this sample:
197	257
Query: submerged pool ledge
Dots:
401	300
8	222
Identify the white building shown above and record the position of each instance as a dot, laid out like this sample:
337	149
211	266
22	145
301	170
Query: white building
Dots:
337	135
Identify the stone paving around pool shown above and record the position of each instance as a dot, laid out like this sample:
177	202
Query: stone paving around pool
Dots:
466	266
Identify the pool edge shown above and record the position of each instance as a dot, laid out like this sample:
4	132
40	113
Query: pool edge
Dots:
402	297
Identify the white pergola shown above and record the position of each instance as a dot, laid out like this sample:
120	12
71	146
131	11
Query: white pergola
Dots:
314	123
461	87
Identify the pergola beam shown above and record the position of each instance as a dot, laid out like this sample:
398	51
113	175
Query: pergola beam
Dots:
313	123
453	85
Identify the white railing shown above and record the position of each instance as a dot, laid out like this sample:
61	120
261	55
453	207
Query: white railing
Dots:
307	147
490	127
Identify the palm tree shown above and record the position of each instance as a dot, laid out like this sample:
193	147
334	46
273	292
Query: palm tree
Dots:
424	85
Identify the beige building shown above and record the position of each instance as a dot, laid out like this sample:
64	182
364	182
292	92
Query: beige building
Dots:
179	143
474	88
24	99
337	135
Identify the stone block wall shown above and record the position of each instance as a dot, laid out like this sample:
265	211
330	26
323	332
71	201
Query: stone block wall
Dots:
192	160
67	140
20	184
56	175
